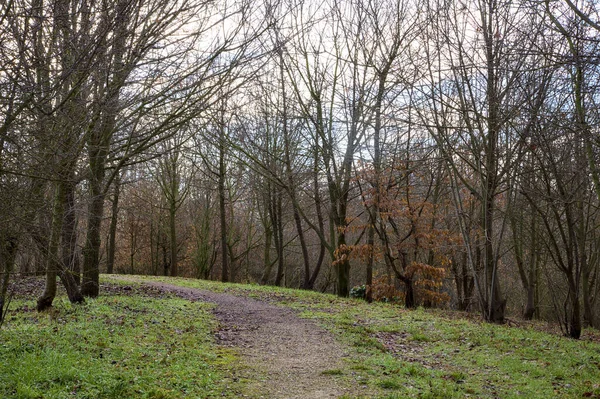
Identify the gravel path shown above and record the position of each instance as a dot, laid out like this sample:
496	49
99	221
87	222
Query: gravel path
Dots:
289	353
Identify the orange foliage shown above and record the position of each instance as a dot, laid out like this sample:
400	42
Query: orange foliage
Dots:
383	290
361	252
416	240
429	283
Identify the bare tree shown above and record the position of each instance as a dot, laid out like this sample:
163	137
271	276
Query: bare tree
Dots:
477	64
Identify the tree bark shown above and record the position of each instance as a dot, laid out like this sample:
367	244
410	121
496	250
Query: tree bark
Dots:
173	238
320	219
91	252
278	238
222	208
8	252
70	258
574	326
268	265
112	234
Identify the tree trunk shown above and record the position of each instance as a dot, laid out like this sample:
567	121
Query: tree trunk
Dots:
495	304
70	258
91	252
112	234
173	238
52	257
290	178
222	210
165	259
278	223
574	323
320	220
370	260
464	283
588	310
409	291
54	264
529	311
98	149
409	298
343	269
268	265
8	252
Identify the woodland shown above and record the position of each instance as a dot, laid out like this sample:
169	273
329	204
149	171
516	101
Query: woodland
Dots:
435	153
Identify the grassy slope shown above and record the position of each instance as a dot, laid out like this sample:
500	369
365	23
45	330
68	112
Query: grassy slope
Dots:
119	346
130	346
429	354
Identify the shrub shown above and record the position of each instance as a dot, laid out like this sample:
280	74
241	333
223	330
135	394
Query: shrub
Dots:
359	291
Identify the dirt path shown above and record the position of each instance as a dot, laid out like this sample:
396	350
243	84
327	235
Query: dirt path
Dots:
289	352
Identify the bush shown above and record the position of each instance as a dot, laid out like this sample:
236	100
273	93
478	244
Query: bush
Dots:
383	290
359	291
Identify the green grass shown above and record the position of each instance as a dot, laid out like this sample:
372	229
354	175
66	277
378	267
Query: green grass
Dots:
425	354
114	347
161	347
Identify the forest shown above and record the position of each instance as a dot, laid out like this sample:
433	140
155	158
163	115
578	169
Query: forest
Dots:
435	153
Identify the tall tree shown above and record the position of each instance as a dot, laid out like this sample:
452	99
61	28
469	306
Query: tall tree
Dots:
476	66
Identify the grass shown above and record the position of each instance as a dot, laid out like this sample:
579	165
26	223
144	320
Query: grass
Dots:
118	346
428	354
136	345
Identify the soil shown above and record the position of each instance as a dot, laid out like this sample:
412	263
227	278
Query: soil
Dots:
286	356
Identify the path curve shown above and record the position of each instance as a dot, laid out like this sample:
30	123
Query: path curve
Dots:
292	353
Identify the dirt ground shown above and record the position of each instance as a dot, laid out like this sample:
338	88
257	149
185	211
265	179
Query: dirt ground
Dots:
286	355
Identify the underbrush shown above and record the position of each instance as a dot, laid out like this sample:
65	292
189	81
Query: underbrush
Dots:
116	346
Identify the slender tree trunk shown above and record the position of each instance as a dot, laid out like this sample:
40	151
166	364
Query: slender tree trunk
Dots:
495	304
8	252
574	322
320	219
531	306
463	282
154	246
52	257
343	269
70	258
68	268
173	238
588	310
343	266
290	178
133	244
165	259
112	234
222	209
409	291
370	260
268	265
278	223
374	208
91	252
529	311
